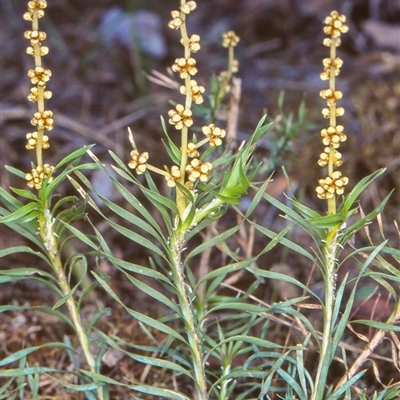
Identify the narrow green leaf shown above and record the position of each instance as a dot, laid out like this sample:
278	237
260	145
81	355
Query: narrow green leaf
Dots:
286	242
137	238
49	187
338	333
81	236
4	388
133	219
24	352
305	211
338	303
137	269
135	203
123	167
74	155
173	151
292	384
9	200
25	193
64	200
25	271
154	293
212	242
159	199
351	230
23	249
77	388
260	129
237	306
5	373
16	172
45	309
303	373
68	295
28	230
157	362
140	317
275	240
378	325
347	385
19	215
292	215
257	198
223	271
358	189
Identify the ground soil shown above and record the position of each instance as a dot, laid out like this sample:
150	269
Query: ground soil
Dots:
99	91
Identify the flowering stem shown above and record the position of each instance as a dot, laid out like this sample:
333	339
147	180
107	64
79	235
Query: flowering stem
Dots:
180	199
334	183
49	239
184	298
330	253
230	40
332	122
40	99
329	187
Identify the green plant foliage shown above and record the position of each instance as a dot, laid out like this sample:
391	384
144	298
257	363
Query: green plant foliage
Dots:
209	327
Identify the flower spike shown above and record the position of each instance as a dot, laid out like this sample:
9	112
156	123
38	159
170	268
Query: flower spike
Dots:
334	135
42	119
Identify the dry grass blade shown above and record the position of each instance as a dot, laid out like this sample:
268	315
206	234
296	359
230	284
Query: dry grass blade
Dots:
369	349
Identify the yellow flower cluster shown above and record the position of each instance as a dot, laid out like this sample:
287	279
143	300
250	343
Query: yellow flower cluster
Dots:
332	184
37	175
35	7
43	120
178	17
33	96
196	91
32	139
185	67
335	25
332	136
139	161
39	76
214	135
192	150
180	117
198	170
328	63
230	39
173	177
194	43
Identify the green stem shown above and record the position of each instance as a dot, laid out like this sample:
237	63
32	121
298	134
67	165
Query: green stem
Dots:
206	210
224	386
184	294
325	358
49	239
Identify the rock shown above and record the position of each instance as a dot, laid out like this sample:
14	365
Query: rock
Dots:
385	36
142	29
